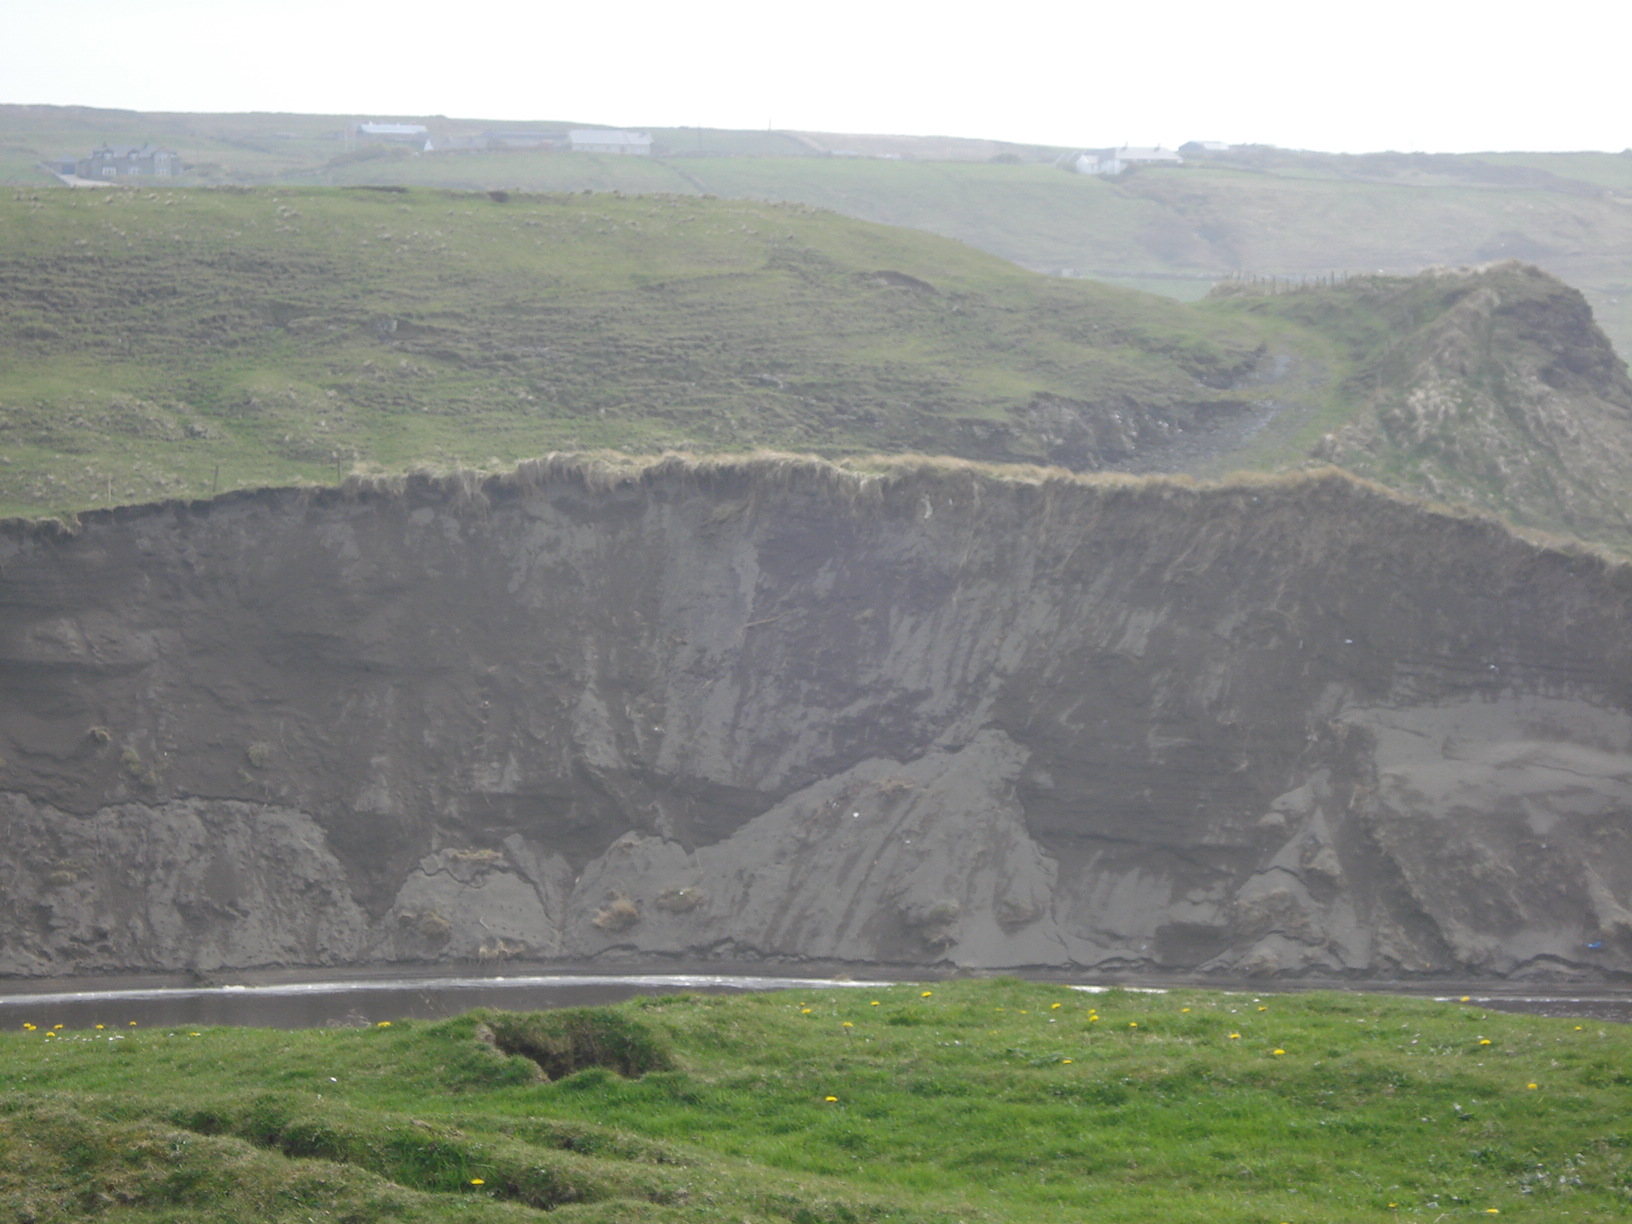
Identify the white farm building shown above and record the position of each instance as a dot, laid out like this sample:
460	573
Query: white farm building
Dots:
609	140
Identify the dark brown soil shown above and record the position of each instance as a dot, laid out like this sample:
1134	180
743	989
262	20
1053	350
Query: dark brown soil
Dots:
770	711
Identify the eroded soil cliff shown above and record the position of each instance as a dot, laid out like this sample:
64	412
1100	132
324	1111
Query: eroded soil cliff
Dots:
774	710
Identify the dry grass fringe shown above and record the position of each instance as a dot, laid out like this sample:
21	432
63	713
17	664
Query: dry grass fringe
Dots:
864	484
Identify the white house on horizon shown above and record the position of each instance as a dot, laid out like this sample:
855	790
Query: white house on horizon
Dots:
609	140
1114	161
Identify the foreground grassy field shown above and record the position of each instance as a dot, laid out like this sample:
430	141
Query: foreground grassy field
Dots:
990	1101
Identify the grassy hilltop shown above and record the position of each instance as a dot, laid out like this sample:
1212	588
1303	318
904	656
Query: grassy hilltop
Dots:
990	1103
171	342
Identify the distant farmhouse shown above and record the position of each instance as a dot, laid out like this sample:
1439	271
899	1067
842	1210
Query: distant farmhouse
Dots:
1114	161
395	133
609	140
129	161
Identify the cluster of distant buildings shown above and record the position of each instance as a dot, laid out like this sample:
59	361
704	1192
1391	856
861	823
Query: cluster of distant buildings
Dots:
110	163
1115	161
113	162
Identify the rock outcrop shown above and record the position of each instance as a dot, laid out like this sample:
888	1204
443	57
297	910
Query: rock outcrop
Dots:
1491	387
770	710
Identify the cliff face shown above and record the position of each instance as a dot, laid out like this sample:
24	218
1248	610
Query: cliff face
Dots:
772	710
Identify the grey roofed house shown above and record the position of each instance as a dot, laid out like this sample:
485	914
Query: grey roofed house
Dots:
122	161
609	140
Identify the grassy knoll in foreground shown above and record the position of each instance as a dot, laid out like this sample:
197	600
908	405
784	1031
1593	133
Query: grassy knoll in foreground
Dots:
989	1101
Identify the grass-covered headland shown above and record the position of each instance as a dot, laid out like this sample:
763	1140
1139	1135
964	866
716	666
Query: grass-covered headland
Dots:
969	1101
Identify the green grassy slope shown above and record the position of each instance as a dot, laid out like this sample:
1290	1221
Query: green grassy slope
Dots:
1266	211
1169	230
998	1102
175	342
238	147
171	342
1173	231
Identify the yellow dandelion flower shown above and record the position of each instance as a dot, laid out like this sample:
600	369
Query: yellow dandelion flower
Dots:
1235	1036
194	1034
1263	1009
1066	1061
1277	1051
383	1024
1133	1024
133	1024
1493	1211
1184	1009
1578	1028
847	1024
56	1026
830	1099
1532	1085
875	1002
804	1011
476	1181
99	1026
1484	1041
1093	1017
1465	999
926	994
1054	1007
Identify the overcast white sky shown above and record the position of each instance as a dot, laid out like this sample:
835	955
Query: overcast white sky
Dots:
1436	75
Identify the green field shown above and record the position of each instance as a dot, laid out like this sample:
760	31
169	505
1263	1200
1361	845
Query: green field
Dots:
179	342
991	1101
1254	209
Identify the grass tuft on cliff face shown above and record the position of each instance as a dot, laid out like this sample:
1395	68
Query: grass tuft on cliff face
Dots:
995	1101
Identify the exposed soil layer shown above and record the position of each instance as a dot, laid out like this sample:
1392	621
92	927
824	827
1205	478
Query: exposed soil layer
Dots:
770	710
